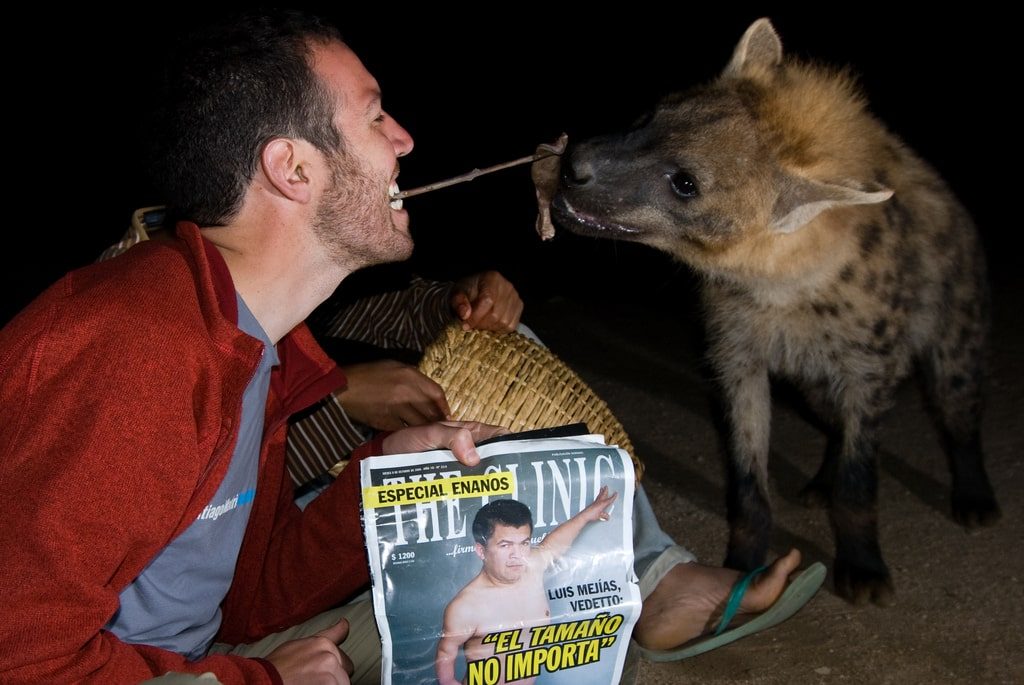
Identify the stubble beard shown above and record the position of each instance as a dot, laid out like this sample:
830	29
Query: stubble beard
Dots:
353	221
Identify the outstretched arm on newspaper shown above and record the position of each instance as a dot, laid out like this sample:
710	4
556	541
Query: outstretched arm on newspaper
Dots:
561	538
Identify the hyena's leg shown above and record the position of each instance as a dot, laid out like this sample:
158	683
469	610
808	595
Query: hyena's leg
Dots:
953	375
860	571
748	403
817	494
818	491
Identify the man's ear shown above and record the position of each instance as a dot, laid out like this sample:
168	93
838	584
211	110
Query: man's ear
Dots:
282	166
479	550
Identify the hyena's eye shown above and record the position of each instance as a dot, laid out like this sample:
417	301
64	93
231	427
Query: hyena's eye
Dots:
683	185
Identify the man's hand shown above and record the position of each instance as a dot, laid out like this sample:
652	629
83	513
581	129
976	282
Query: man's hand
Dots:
598	509
316	659
389	395
458	436
487	302
558	541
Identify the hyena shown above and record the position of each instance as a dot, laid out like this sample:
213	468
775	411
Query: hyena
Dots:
830	254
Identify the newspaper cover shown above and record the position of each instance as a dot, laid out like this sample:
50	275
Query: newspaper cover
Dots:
517	570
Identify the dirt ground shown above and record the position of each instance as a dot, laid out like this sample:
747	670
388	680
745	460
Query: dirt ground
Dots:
956	615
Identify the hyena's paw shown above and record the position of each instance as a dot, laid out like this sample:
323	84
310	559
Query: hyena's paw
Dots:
815	495
859	585
975	510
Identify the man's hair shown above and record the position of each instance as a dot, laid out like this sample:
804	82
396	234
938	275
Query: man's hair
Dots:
228	89
508	512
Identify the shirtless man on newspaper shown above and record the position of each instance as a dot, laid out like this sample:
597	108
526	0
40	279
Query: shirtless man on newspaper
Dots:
508	592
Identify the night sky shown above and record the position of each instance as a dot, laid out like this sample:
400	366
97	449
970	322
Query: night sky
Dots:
483	87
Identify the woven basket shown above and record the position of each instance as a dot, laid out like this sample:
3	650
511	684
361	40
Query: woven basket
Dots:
510	380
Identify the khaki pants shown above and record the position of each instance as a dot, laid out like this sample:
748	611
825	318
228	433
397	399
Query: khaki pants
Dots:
363	642
362	645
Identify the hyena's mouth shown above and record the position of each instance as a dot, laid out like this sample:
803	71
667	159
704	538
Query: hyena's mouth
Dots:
582	223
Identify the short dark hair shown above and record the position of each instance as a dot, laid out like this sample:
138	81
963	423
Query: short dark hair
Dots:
228	89
508	512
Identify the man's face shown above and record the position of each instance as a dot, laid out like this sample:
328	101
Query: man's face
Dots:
355	219
506	554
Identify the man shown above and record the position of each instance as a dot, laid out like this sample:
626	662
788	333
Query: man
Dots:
509	590
144	403
168	420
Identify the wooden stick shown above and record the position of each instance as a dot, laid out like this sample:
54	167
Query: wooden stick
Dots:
471	175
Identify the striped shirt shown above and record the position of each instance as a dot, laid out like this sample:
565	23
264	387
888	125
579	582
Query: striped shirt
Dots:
407	320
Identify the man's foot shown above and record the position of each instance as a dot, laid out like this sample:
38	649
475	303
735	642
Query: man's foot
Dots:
690	599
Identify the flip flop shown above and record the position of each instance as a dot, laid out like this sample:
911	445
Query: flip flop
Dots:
793	598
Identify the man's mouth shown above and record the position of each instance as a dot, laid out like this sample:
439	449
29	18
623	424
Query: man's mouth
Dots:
394	203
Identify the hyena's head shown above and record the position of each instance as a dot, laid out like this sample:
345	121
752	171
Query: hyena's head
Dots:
718	173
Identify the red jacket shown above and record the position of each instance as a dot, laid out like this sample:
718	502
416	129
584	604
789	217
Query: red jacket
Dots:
120	396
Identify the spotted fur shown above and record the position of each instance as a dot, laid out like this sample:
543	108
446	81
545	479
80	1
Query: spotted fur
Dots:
832	255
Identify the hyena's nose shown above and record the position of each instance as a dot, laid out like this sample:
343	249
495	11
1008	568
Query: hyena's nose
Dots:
576	172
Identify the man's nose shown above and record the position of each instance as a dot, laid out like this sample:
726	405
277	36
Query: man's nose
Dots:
400	138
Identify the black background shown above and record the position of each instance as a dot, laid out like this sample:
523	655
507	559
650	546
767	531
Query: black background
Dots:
486	84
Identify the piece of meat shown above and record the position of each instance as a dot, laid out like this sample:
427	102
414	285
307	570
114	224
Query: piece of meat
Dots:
544	172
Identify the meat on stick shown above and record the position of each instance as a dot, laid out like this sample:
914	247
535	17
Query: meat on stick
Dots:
546	164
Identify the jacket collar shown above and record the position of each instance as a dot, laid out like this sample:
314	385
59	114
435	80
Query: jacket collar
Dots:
211	273
306	373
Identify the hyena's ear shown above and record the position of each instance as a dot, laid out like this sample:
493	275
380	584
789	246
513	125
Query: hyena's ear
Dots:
758	52
802	199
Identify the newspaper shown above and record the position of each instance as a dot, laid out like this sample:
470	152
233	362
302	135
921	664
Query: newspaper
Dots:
553	605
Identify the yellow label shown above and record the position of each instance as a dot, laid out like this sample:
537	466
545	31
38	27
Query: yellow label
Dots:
441	488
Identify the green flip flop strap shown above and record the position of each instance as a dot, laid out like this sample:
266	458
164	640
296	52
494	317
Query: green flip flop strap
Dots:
732	605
